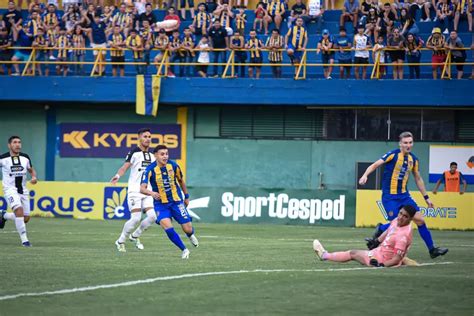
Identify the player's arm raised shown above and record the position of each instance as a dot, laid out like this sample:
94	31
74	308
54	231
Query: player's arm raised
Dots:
421	186
120	172
370	169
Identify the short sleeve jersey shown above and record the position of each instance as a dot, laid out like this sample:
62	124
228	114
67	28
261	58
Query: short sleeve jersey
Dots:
14	172
139	161
397	171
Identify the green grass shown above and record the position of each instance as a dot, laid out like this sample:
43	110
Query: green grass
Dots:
72	253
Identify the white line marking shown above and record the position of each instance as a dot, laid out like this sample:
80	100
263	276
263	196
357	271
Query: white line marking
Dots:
183	276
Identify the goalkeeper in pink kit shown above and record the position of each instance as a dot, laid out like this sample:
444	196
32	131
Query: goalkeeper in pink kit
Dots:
388	250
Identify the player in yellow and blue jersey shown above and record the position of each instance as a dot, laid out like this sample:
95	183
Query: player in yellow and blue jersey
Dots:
168	187
399	163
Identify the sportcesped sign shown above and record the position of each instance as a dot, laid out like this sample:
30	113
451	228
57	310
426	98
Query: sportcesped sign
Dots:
282	206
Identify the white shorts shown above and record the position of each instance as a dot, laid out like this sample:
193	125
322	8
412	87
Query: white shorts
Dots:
103	45
139	201
16	200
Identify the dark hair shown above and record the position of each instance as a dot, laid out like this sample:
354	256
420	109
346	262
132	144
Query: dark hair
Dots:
453	164
11	138
133	31
148	4
276	30
387	4
171	8
342	29
410	209
253	30
143	130
158	148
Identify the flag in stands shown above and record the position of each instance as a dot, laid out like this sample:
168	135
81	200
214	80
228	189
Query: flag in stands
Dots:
148	93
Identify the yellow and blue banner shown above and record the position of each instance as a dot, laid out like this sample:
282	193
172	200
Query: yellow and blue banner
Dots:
451	210
148	94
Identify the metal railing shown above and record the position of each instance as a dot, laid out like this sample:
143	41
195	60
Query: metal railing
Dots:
99	63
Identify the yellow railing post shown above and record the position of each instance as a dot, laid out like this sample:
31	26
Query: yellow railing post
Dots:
229	63
300	66
96	62
165	56
30	59
376	69
447	67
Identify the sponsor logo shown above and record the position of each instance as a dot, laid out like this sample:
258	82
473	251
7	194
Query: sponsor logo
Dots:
282	206
115	203
429	212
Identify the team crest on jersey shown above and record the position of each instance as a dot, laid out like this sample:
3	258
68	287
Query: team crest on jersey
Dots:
16	160
410	164
115	203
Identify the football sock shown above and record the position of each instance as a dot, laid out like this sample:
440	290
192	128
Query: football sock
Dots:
9	216
342	256
147	222
384	227
426	235
134	220
190	234
174	237
21	228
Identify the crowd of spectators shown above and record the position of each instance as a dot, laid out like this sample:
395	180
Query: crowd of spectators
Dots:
386	32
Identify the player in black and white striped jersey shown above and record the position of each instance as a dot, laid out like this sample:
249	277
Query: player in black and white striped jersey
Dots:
15	167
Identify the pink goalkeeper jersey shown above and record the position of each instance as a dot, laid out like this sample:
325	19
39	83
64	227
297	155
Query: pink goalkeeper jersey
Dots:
397	241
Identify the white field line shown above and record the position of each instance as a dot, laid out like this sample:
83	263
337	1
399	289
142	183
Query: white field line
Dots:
182	276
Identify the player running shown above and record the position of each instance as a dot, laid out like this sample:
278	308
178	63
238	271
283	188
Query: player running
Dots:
15	166
399	164
137	160
168	187
392	245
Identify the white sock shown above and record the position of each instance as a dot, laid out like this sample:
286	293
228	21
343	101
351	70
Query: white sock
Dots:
21	228
130	225
147	222
9	216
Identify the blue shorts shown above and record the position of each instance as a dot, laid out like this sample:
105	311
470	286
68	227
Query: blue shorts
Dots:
175	210
21	55
298	54
393	203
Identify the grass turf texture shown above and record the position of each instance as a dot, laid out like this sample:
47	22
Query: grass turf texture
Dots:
72	253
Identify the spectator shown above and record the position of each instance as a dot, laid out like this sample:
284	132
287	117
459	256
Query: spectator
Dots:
379	54
22	39
52	35
224	14
12	16
33	23
201	22
260	18
464	12
172	16
458	56
396	44
51	18
123	19
325	46
276	12
187	48
148	15
72	18
444	14
295	42
117	54
183	8
237	44
385	21
98	39
350	12
412	47
176	56
240	22
332	7
371	22
452	180
423	5
361	55
436	42
275	56
408	23
135	43
316	12
298	10
242	4
106	15
6	41
63	44
254	45
220	43
78	43
211	6
203	59
161	43
364	9
343	44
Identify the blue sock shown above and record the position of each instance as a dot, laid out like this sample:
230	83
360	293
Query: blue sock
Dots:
174	237
426	235
384	227
192	233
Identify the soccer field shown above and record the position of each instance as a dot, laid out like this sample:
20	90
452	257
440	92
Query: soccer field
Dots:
238	269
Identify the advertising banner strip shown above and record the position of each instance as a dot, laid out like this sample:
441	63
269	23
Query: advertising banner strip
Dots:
452	210
114	140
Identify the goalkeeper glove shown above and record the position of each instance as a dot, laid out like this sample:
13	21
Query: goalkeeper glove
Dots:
375	263
372	243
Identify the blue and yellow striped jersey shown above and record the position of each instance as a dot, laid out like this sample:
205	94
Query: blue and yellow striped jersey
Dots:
397	171
297	36
164	180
